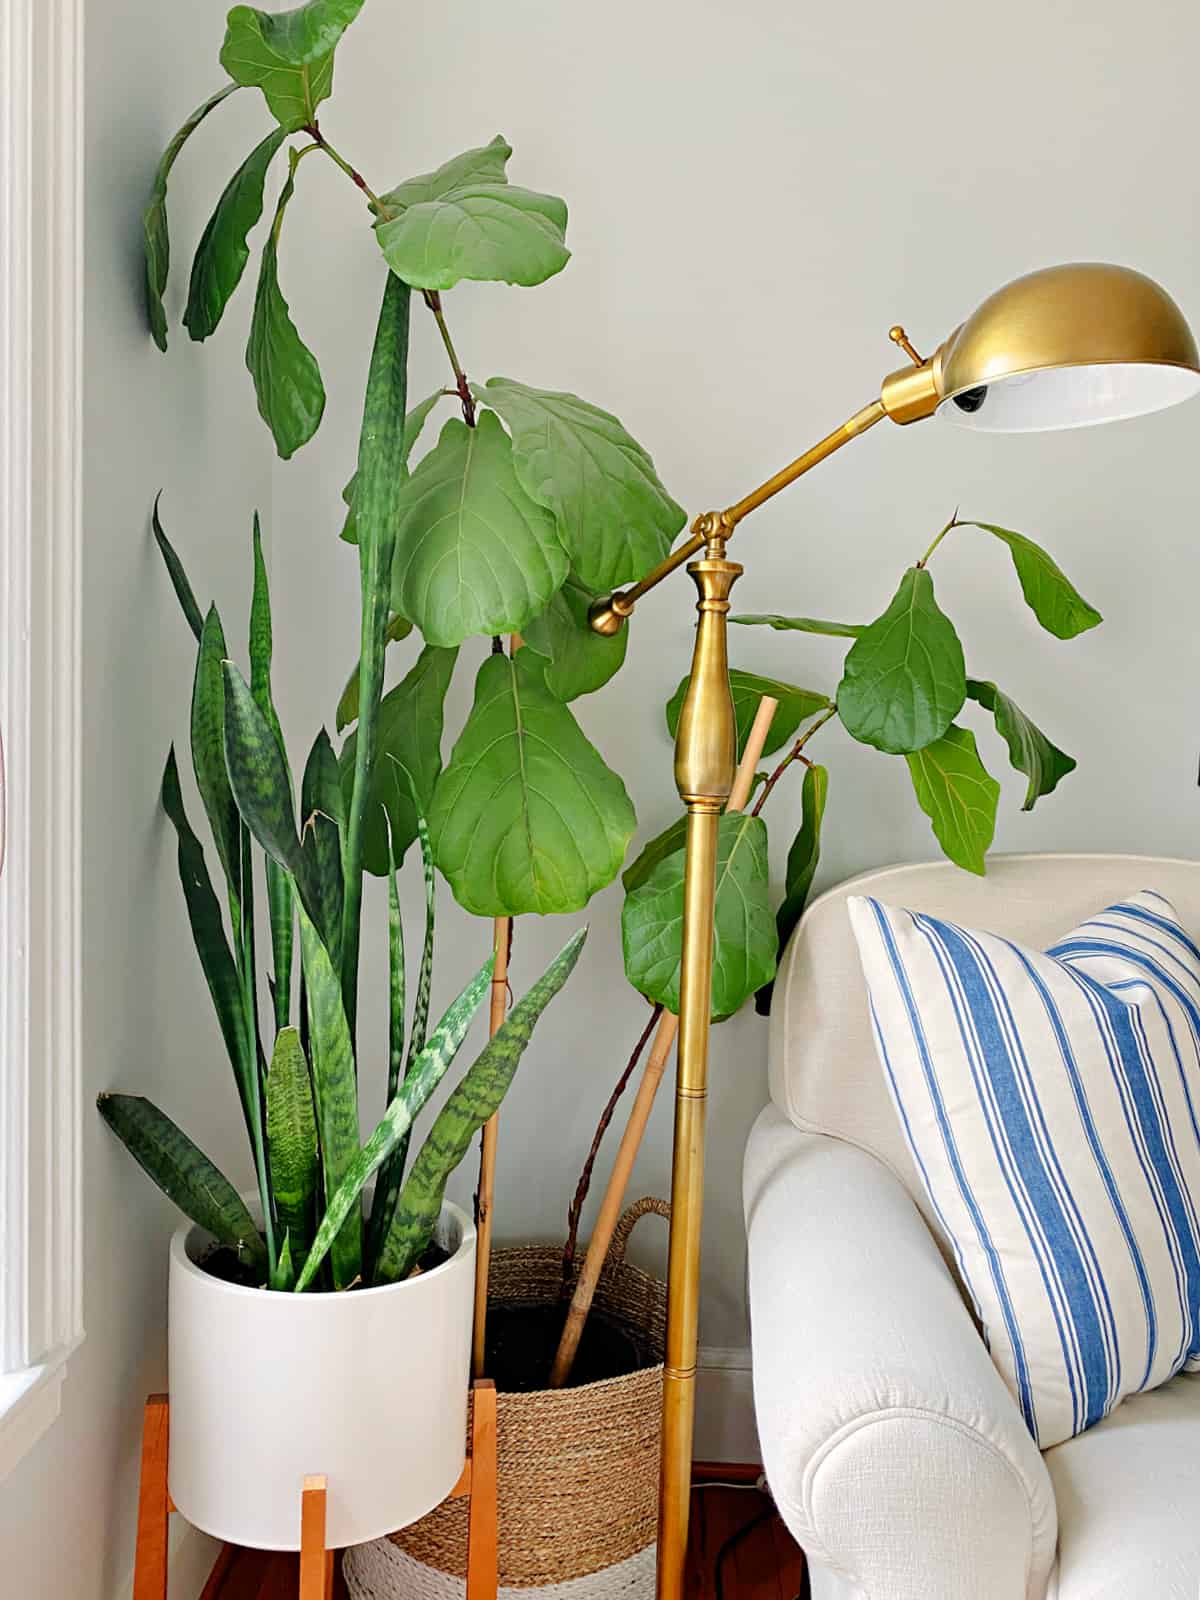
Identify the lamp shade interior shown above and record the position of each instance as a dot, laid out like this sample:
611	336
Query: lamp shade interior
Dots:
1067	347
1070	397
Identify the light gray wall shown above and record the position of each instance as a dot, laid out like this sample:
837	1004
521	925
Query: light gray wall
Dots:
757	192
184	422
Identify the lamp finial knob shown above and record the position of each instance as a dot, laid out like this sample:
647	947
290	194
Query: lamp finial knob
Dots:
898	336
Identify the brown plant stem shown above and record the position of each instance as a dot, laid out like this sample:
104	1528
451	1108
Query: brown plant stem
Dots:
794	754
461	387
585	1177
356	177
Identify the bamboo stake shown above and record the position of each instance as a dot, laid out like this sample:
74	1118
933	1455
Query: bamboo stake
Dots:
501	940
660	1051
501	934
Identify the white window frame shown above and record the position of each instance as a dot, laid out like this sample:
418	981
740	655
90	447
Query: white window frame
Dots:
41	327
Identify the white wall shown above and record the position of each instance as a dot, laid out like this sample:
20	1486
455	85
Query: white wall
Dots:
757	192
184	421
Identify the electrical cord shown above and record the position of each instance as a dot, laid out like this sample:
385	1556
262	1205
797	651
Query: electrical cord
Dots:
731	1543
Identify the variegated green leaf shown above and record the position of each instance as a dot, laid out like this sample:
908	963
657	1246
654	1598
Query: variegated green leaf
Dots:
335	1090
259	777
183	1172
413	423
476	1098
292	1137
427	1072
208	755
323	839
279	884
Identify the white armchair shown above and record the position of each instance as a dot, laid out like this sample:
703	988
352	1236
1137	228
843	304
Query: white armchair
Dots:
895	1453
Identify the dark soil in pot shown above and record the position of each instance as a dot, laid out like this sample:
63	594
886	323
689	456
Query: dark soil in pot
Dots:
225	1264
522	1341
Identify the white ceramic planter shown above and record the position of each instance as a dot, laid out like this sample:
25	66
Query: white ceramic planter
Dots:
369	1388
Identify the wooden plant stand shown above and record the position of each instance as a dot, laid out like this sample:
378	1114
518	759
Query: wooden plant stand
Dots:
155	1505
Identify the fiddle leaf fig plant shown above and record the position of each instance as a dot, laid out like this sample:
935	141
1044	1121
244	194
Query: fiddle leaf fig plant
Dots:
903	687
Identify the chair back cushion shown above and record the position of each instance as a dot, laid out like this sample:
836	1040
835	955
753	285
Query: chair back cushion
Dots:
1052	1104
824	1073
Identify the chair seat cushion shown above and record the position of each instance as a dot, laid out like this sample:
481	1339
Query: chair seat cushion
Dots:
1128	1495
1052	1104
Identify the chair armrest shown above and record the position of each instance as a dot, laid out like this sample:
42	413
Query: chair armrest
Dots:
895	1453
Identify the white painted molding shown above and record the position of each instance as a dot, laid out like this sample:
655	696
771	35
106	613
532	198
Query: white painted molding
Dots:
41	330
725	1428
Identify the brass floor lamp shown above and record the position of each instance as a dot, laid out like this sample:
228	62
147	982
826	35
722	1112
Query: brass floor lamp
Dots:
1060	348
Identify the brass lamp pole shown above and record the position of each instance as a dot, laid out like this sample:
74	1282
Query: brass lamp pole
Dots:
1059	348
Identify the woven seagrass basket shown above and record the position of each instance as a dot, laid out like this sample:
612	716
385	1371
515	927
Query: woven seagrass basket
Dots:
577	1468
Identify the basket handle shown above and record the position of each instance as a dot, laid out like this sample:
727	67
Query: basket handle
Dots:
630	1217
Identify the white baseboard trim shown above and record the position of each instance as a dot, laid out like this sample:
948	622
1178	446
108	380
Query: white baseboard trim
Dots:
725	1429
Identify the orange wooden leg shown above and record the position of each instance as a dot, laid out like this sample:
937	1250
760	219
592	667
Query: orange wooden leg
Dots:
482	1568
150	1561
316	1563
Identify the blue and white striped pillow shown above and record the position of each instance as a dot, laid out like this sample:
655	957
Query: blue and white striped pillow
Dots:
1052	1105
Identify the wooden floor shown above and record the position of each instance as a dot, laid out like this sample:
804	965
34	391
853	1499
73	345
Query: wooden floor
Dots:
762	1565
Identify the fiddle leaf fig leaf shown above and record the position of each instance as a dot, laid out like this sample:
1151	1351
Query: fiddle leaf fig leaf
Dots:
223	252
959	796
155	233
474	554
409	742
1049	593
613	514
1029	750
904	680
526	816
488	231
347	707
772	619
485	164
580	660
747	688
288	56
745	943
801	868
663	844
287	379
413	423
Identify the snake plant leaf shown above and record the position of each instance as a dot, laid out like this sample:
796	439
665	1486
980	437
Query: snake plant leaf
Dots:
292	1134
1029	750
208	754
409	742
388	1187
476	1098
796	705
484	229
613	513
222	253
745	942
904	681
772	619
474	554
484	164
156	235
580	660
322	840
212	947
178	577
279	884
288	56
959	796
259	778
287	379
427	1072
663	844
377	495
414	422
335	1090
1049	593
802	861
183	1172
283	1278
526	816
347	707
